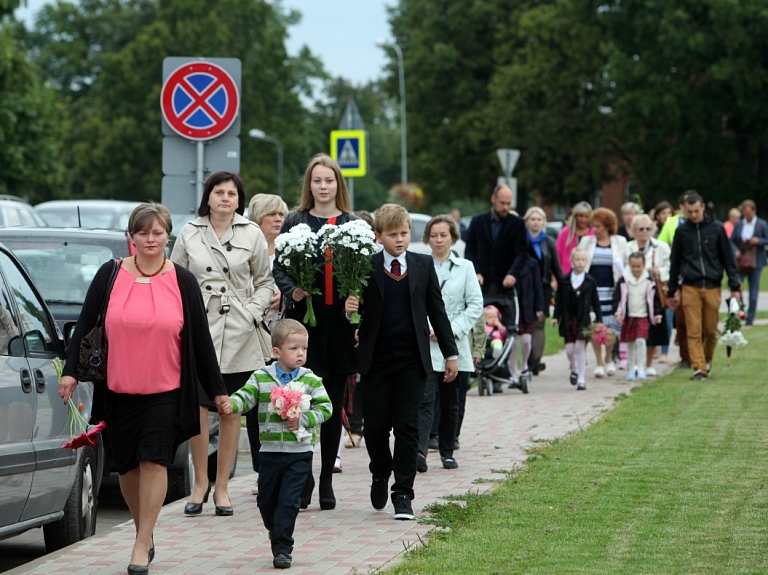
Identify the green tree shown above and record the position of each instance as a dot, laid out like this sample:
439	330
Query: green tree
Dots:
689	83
31	120
106	57
447	51
548	100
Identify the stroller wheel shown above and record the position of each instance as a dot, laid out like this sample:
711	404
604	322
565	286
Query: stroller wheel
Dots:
524	380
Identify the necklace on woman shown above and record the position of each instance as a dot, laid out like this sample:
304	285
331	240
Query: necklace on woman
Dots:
144	279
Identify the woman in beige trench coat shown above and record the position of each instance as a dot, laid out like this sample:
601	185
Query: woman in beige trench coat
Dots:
228	255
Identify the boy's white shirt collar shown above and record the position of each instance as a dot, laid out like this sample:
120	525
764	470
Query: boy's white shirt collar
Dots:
577	279
388	257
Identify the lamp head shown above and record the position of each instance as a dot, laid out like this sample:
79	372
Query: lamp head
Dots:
255	133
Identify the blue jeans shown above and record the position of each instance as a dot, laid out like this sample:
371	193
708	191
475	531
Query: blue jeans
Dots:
754	289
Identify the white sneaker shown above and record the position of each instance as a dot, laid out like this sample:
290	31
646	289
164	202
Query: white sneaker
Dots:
631	376
599	371
641	374
651	372
610	369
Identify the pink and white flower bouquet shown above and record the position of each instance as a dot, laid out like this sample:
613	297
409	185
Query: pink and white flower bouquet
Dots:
289	402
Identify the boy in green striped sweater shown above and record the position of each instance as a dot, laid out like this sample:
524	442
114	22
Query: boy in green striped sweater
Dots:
285	458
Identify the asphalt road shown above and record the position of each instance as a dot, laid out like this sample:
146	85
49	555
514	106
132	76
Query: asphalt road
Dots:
29	546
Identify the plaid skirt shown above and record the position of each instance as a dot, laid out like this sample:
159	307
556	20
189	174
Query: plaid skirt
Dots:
634	328
572	332
525	328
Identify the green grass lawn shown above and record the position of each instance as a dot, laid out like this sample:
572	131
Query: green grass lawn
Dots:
673	480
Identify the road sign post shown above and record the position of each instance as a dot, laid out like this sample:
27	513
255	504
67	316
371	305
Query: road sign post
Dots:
200	102
508	159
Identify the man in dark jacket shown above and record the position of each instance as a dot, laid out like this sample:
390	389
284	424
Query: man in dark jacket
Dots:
700	252
497	245
751	233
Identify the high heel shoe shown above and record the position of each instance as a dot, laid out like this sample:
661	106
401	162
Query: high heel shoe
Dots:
326	496
134	569
151	549
222	511
197	508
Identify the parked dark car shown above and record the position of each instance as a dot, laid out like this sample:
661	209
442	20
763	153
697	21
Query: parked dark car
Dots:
41	484
62	263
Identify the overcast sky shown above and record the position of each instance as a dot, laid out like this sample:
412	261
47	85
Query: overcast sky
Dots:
342	33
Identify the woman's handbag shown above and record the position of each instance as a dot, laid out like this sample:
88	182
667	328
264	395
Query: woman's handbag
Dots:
92	362
747	260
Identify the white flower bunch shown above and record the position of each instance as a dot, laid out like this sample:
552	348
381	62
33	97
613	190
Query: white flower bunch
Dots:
733	339
355	235
300	239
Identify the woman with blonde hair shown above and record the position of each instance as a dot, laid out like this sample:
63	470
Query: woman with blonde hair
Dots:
606	252
543	248
331	354
576	228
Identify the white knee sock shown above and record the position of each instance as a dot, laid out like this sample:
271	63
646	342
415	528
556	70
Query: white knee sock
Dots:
631	349
512	361
525	348
580	356
642	348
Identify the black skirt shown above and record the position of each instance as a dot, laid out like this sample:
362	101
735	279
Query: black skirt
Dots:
142	428
657	333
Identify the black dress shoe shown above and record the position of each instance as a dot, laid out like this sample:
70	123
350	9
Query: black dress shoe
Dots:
421	463
222	511
326	496
539	368
282	561
138	569
193	509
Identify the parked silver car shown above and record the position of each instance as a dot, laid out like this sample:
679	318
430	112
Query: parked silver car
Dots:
41	484
103	214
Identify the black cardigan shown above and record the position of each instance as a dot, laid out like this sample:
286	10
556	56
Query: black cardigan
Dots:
197	353
587	299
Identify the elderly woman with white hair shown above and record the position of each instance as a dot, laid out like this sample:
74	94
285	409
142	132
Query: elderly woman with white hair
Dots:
628	212
657	263
543	248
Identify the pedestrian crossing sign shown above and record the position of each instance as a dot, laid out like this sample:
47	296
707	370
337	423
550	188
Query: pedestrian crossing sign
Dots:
348	149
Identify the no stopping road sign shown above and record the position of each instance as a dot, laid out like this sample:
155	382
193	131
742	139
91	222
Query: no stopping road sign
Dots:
200	100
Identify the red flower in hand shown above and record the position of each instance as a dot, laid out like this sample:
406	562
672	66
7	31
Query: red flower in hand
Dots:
87	439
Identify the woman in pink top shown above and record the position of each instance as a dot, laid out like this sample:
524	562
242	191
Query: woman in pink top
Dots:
577	227
159	346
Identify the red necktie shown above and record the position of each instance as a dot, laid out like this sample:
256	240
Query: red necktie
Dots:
395	268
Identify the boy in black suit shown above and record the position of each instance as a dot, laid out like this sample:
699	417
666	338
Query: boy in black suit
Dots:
393	354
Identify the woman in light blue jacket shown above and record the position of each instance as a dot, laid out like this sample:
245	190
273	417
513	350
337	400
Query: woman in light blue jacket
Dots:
464	305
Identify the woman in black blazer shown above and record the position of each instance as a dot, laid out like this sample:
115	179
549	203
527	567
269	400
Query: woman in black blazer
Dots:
543	248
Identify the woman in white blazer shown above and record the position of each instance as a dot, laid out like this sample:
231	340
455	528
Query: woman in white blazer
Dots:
463	301
606	252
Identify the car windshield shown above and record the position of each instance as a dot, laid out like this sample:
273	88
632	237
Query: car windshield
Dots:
61	269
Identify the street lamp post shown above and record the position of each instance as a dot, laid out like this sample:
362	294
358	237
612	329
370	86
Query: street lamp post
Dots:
260	135
403	131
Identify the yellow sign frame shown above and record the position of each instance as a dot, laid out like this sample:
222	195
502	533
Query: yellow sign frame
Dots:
358	135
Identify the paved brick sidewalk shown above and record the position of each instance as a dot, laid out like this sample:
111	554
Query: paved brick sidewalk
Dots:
354	536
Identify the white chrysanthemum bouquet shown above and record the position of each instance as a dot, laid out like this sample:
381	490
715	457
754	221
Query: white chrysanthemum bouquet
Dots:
297	251
731	335
351	246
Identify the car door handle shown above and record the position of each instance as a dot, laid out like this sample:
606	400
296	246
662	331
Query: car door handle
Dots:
26	381
39	381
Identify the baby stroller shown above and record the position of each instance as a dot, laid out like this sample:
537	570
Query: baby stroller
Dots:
492	372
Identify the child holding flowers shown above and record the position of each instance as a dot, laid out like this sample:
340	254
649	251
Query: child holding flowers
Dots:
292	403
576	304
636	305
